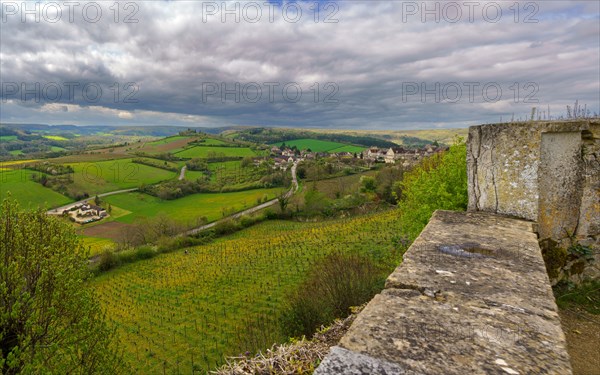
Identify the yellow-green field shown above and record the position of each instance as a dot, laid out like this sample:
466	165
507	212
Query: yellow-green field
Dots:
55	138
97	245
12	163
183	312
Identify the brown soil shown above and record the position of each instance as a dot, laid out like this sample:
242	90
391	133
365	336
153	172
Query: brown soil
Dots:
109	230
583	340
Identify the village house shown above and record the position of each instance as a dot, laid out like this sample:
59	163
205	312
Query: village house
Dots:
393	154
375	154
280	163
275	150
288	152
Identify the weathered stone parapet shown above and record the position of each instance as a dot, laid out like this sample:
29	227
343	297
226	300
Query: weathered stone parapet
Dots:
471	297
547	172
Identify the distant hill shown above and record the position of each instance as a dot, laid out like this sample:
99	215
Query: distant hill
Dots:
407	138
279	135
139	130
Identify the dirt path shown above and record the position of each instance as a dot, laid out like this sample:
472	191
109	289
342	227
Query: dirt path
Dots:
182	173
583	340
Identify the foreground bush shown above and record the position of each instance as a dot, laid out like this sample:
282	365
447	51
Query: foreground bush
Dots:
334	285
50	321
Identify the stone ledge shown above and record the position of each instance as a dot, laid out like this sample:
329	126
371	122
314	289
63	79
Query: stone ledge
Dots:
471	297
343	361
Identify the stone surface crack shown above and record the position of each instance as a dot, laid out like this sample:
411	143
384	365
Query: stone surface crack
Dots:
493	147
427	292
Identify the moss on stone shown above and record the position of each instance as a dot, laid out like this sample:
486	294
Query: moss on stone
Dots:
577	268
555	257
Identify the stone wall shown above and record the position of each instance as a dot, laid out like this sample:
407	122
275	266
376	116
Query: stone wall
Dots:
548	172
471	297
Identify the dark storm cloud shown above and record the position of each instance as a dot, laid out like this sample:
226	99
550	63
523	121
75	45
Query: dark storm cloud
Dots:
166	67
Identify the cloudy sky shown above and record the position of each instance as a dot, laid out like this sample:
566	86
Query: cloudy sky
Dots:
345	64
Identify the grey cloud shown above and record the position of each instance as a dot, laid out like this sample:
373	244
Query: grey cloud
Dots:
369	54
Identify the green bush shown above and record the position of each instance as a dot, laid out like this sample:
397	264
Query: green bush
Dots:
108	260
335	284
316	202
226	227
144	252
438	182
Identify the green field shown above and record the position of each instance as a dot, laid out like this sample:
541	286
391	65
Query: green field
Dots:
231	172
316	145
7	138
56	149
183	312
205	152
28	193
213	142
16	152
348	148
110	175
193	175
188	209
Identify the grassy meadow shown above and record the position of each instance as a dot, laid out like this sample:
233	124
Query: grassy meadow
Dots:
29	194
110	175
188	209
212	142
183	312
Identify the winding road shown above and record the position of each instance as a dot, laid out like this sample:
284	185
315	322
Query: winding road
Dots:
182	173
293	189
251	210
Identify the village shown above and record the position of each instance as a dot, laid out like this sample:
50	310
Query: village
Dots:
285	156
